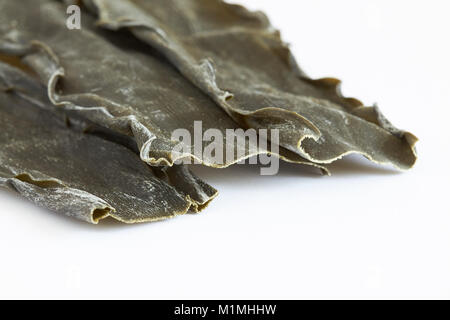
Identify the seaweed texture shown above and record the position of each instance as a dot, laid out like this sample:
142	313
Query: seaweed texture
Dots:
238	59
118	83
87	116
78	174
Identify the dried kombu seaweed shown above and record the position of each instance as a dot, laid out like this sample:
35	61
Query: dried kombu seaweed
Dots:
117	82
238	59
78	174
80	109
13	79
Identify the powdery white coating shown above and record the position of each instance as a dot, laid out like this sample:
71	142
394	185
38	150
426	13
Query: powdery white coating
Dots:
76	174
179	104
217	45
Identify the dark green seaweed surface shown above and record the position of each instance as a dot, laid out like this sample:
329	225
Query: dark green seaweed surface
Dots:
73	173
87	115
238	59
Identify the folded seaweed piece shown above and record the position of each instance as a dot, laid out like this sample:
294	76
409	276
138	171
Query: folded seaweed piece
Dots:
78	174
238	59
119	83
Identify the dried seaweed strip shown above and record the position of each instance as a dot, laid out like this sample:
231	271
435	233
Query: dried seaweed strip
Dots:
238	58
77	174
198	193
178	176
117	82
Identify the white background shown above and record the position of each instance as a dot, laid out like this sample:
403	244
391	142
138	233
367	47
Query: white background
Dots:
366	232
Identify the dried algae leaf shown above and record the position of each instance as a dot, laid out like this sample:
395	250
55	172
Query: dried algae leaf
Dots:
117	82
73	173
238	59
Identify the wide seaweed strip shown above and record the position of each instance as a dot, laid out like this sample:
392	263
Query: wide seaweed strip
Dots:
238	59
119	83
74	173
